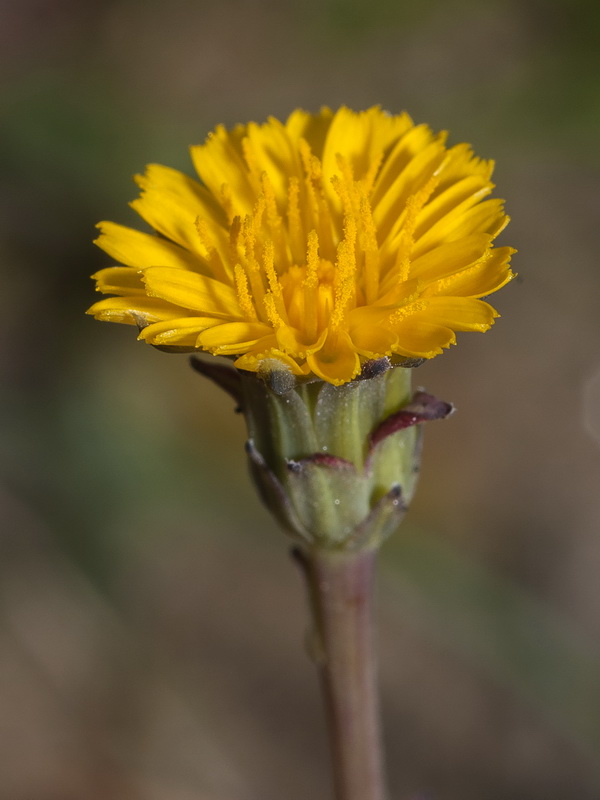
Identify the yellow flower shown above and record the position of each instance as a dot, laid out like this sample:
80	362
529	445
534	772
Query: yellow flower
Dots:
317	244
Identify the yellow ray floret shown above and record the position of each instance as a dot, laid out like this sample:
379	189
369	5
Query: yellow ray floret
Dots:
318	243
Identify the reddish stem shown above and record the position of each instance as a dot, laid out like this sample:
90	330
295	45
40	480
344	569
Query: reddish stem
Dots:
341	586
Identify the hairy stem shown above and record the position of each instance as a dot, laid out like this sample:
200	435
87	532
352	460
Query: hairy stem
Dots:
341	591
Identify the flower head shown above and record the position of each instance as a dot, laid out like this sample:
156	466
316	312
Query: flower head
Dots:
316	244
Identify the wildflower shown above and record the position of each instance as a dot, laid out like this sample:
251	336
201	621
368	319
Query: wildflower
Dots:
326	256
312	246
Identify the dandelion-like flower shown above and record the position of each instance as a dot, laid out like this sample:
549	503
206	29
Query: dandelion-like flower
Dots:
317	244
325	256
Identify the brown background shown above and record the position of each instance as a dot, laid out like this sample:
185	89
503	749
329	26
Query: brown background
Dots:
151	621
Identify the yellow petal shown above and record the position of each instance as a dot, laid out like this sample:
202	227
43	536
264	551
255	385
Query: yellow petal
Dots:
219	162
182	330
459	313
171	203
119	280
370	315
449	258
337	362
412	142
273	152
394	292
190	290
253	361
483	278
191	193
373	341
361	137
460	163
236	337
457	198
417	337
135	310
487	217
311	127
387	213
136	249
291	340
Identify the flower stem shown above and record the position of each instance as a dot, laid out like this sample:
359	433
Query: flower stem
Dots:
341	590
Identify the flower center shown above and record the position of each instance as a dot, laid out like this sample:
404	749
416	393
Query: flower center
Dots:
305	261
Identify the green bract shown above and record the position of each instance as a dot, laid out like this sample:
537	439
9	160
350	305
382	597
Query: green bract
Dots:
336	465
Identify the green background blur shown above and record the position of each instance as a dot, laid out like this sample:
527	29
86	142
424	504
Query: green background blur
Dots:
151	620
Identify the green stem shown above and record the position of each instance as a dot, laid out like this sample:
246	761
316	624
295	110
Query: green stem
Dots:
341	588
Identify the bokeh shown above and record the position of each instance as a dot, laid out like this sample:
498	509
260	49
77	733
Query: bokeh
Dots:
151	620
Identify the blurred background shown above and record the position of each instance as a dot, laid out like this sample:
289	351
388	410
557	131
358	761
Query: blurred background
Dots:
151	620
